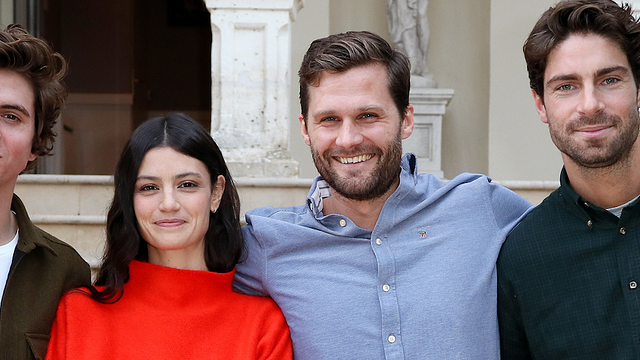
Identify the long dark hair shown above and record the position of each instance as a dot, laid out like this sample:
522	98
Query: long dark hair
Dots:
223	240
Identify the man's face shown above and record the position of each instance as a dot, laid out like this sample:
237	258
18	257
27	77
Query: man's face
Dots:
355	132
17	125
590	101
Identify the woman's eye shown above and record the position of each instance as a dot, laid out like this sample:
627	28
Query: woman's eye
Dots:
148	188
188	184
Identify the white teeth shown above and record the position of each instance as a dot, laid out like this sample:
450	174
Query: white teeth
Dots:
355	159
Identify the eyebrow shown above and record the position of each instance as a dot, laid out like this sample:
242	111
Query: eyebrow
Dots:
16	107
179	176
598	73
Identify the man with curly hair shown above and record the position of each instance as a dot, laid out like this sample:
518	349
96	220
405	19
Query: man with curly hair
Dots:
35	267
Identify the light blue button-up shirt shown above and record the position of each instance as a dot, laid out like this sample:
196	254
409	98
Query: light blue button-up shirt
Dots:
421	285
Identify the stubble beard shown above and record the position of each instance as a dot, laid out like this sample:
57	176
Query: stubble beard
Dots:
598	153
352	186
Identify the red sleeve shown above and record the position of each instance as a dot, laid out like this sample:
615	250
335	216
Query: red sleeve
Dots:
275	343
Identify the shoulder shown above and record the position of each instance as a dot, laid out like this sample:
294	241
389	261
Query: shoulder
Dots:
259	307
64	255
534	234
543	213
61	248
286	214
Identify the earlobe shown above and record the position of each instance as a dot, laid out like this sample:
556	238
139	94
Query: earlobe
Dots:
33	156
304	130
540	108
217	191
407	122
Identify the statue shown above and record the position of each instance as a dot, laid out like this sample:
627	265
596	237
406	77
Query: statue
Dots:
409	30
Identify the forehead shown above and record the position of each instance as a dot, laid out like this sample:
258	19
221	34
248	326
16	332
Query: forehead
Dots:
167	160
356	84
16	90
583	54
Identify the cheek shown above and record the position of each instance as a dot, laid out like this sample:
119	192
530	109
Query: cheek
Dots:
141	208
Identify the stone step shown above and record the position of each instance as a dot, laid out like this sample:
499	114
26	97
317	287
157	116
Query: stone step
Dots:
74	207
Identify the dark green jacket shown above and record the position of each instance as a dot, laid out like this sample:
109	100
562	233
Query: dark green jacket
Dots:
43	268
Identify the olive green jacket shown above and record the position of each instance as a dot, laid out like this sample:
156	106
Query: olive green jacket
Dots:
43	268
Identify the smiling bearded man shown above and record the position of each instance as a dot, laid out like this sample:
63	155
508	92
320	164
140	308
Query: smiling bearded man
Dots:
377	242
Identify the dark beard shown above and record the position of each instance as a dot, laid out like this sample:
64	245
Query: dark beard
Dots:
599	154
377	184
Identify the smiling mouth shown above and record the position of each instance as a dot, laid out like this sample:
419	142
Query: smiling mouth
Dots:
170	222
354	159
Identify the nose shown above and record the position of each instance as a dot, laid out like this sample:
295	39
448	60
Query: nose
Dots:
590	103
169	202
349	135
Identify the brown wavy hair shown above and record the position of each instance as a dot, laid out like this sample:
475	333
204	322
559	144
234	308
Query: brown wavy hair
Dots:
45	69
600	17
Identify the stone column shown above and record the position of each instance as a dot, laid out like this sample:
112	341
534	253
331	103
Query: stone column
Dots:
429	106
250	62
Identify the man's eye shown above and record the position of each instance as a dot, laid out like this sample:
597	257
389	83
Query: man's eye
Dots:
610	81
330	119
565	87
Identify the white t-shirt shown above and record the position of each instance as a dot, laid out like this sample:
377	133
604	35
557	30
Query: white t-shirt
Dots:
6	256
617	211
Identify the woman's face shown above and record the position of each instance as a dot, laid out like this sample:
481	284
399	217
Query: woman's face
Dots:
172	200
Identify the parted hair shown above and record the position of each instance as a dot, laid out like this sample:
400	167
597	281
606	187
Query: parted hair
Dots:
600	17
223	240
45	69
341	52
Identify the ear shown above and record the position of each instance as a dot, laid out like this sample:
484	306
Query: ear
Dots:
638	96
32	156
304	130
407	122
216	194
540	108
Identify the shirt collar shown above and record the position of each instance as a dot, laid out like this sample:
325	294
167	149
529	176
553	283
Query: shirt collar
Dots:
565	184
30	237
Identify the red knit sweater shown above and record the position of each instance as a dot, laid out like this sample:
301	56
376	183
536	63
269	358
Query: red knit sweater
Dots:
167	313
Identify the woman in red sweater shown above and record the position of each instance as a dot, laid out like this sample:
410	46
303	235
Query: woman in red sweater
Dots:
173	239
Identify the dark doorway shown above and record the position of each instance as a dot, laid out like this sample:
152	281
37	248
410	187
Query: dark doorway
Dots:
128	61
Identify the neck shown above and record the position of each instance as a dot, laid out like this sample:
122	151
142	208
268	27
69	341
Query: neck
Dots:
8	222
185	259
363	213
609	186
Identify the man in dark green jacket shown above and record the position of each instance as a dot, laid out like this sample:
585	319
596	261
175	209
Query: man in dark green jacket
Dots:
35	267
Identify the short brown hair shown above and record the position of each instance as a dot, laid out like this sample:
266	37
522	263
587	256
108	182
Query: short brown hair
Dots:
342	52
36	61
600	17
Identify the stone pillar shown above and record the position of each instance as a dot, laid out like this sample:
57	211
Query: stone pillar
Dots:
429	106
250	62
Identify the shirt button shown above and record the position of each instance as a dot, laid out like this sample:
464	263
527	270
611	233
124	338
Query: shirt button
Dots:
623	230
386	287
343	222
633	285
589	223
378	241
391	338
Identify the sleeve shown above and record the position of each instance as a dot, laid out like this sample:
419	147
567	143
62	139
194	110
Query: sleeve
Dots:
58	340
513	339
508	207
275	343
249	274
